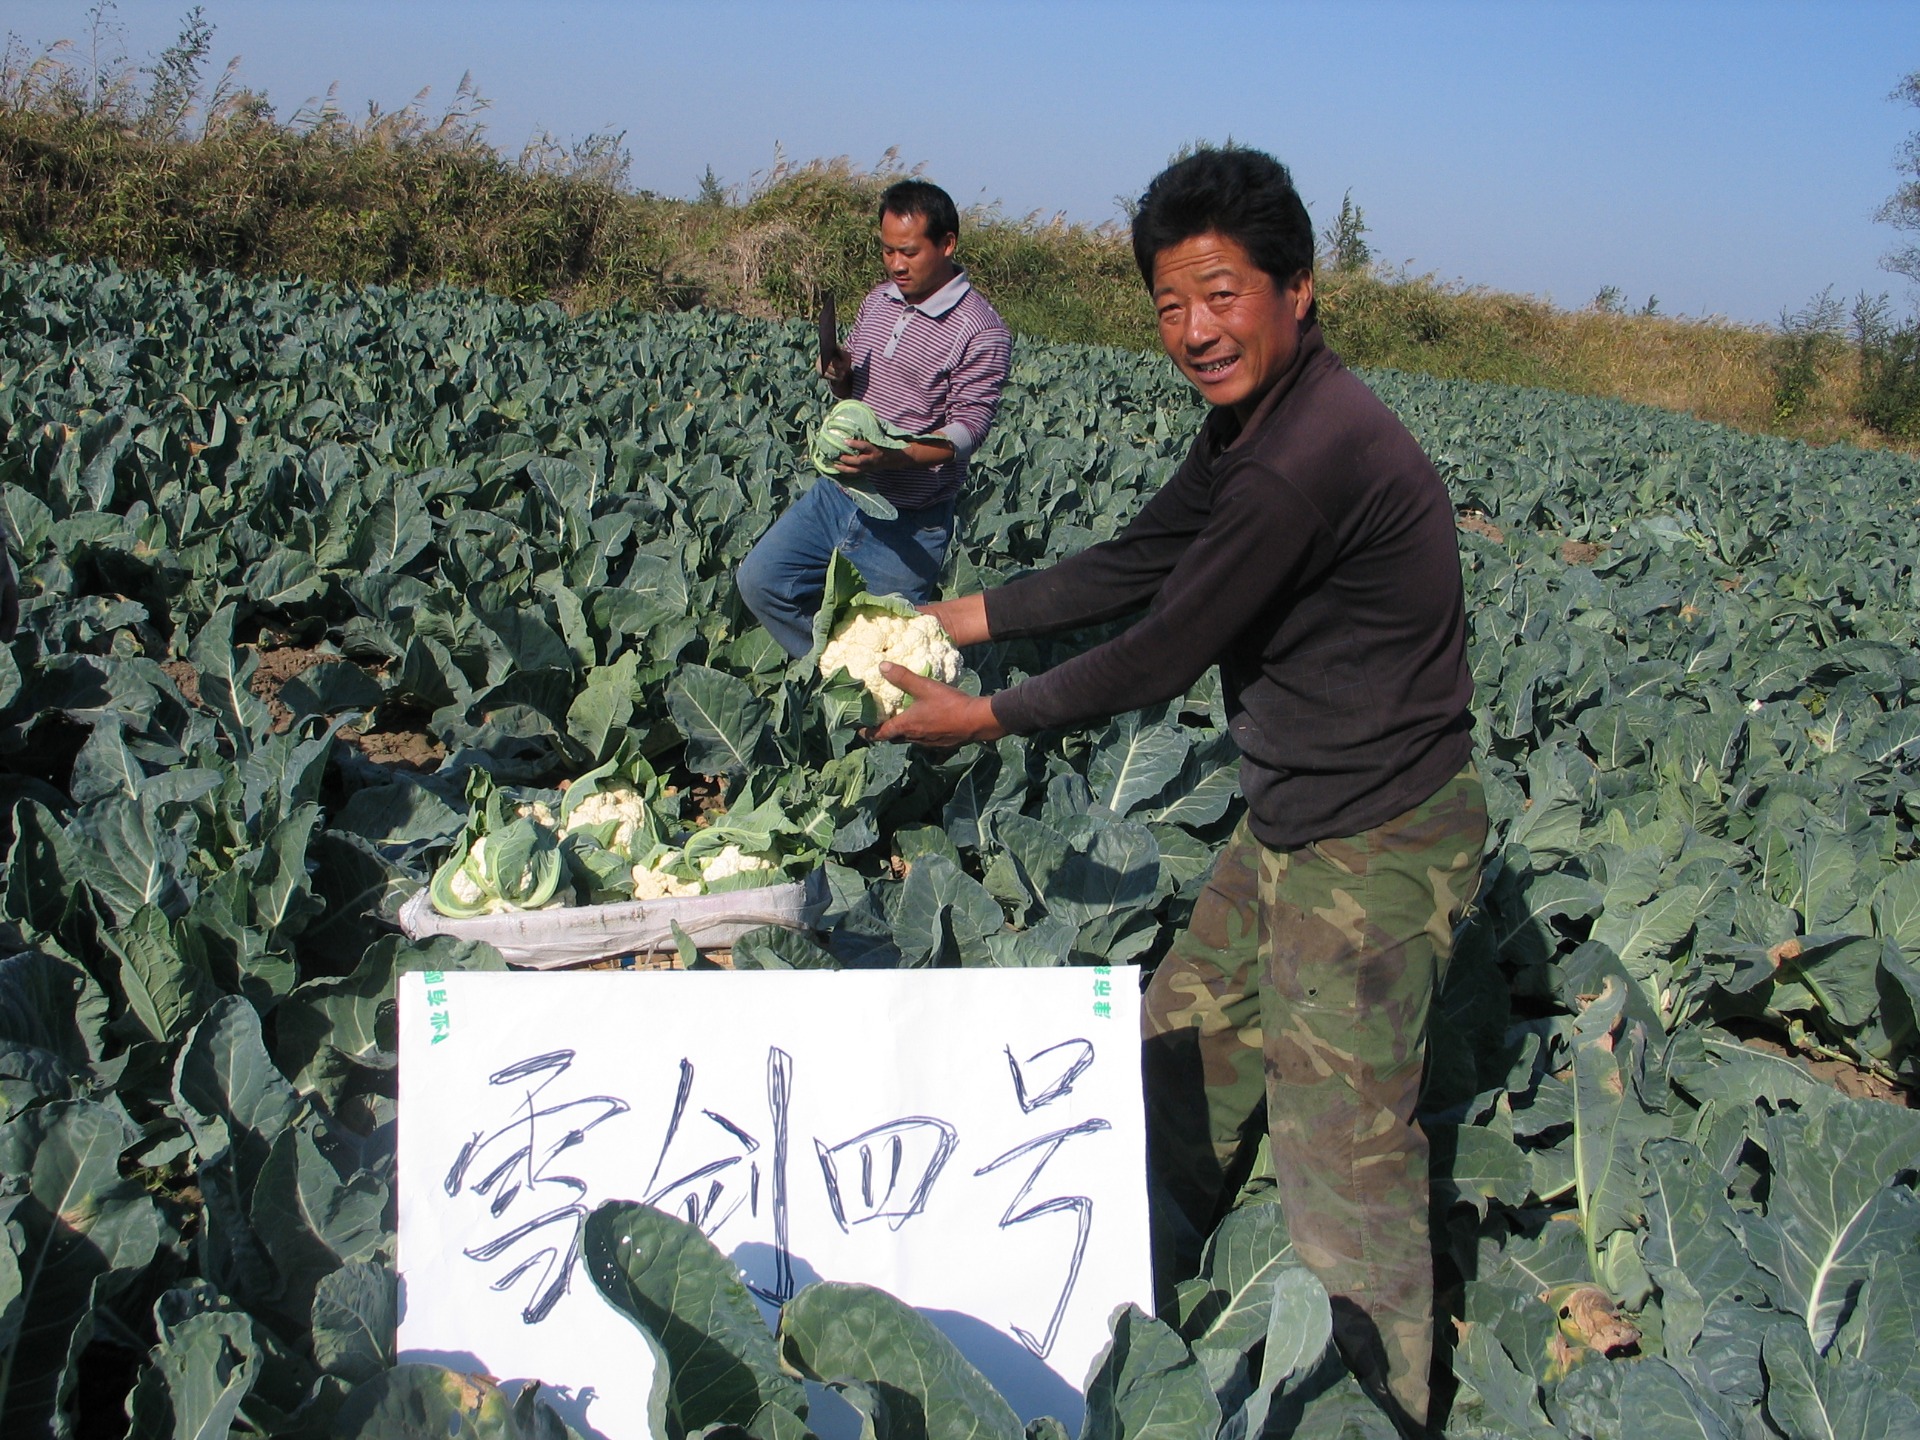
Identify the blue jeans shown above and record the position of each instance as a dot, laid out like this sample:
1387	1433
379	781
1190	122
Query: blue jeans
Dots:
785	573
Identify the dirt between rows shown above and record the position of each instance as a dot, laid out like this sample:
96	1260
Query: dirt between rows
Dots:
1842	1075
1572	552
406	749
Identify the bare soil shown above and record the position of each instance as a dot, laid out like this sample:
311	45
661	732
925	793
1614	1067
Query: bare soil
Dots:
275	669
1572	552
1478	524
185	679
402	746
1847	1078
403	749
700	795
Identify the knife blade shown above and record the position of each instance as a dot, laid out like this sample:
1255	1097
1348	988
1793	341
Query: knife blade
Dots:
829	330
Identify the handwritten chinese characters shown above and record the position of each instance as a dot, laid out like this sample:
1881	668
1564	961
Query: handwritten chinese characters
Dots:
969	1140
513	1166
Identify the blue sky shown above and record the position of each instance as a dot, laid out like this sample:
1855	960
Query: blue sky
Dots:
1725	157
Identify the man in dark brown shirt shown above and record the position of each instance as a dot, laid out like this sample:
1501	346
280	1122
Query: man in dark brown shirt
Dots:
1306	546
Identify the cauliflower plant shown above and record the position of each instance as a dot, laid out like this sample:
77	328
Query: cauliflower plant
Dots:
869	636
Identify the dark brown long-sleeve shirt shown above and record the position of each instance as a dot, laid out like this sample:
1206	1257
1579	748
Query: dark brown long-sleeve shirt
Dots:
1311	555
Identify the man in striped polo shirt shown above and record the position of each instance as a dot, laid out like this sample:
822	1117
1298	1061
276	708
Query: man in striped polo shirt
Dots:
929	354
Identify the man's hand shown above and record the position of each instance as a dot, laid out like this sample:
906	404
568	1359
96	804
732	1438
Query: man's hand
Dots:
941	717
964	618
861	458
838	372
916	454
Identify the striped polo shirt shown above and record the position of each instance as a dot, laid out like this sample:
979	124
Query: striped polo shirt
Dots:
932	368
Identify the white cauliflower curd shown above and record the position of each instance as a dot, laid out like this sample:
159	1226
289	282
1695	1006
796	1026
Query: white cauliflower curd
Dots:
620	803
651	884
867	637
467	890
731	860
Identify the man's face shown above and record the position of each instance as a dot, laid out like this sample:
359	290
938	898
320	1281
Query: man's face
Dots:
917	264
1230	327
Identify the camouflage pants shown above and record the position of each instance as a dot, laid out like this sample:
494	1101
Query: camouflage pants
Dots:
1304	979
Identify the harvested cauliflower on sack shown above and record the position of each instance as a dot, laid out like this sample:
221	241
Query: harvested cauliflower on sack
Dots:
615	835
869	636
651	884
730	861
515	867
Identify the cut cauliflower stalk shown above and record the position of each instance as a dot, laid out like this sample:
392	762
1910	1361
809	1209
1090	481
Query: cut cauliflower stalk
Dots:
868	637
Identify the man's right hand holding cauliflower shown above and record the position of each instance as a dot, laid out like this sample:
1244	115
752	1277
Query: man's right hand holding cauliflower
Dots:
940	716
906	659
869	640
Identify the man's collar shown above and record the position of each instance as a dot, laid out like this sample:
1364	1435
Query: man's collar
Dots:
938	303
1229	432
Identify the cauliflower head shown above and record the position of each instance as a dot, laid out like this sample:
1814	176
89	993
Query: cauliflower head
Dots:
867	637
621	804
467	890
650	884
731	860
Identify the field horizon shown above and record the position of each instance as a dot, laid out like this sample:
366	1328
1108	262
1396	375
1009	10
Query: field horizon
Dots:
404	199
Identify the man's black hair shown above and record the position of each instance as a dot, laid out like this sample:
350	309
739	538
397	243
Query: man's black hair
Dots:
922	198
1245	195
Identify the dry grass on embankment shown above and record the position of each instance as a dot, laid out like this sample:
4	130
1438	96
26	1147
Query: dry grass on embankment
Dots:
1712	369
399	199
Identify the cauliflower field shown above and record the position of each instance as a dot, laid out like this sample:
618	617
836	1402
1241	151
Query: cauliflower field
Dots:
509	535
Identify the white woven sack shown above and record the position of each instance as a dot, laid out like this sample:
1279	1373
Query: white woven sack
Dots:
575	934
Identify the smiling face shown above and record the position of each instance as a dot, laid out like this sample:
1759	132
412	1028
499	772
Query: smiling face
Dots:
916	263
1231	328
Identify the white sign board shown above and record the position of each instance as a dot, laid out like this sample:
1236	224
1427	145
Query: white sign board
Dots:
971	1141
